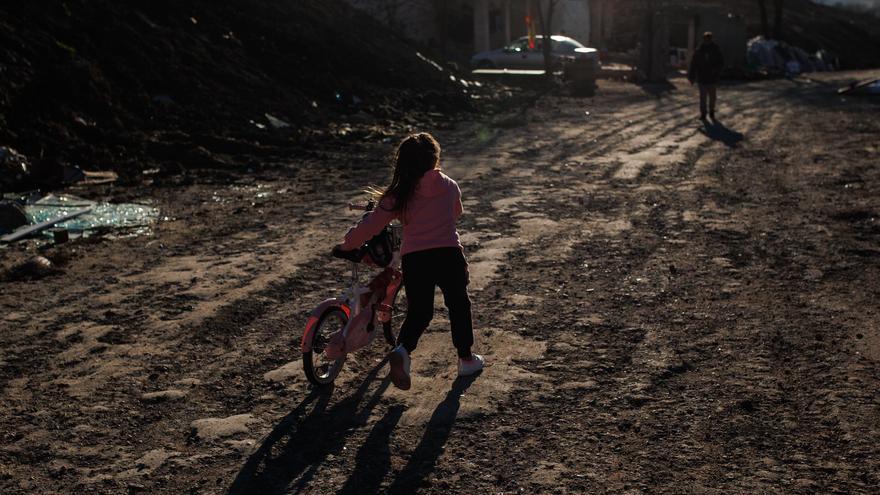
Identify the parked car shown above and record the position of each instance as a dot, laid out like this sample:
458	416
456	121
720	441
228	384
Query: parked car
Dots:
518	55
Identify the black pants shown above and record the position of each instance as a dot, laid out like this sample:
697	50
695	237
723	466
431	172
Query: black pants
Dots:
708	92
422	272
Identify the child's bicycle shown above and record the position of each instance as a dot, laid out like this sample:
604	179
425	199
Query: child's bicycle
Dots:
347	323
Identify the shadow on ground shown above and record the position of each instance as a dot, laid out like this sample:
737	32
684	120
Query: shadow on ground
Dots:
289	457
423	460
292	452
717	131
657	88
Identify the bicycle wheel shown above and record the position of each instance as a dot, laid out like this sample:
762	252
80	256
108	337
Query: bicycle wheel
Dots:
320	370
398	314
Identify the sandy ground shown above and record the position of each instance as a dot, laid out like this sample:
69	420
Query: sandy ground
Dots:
665	308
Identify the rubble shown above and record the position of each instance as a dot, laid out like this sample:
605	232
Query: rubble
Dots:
14	169
71	214
41	225
33	268
199	79
772	57
869	86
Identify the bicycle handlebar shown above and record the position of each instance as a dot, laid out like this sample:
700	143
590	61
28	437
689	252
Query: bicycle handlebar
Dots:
368	206
355	256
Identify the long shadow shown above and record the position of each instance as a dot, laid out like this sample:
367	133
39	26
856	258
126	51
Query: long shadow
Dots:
657	88
717	131
373	458
292	452
424	458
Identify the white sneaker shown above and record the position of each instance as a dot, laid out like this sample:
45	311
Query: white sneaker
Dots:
467	367
399	359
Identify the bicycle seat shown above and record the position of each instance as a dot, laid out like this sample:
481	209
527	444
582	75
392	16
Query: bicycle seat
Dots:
355	255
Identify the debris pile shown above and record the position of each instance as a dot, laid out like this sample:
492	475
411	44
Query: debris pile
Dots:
14	168
63	217
772	57
126	86
853	37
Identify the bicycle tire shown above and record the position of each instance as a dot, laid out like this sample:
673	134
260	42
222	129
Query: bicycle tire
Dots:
398	312
324	374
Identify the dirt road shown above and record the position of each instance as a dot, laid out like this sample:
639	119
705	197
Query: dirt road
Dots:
665	307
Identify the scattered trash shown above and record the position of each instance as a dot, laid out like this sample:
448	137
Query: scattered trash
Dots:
276	122
72	174
774	57
30	269
429	61
871	86
41	225
134	217
83	122
81	217
23	197
59	235
15	173
14	168
98	178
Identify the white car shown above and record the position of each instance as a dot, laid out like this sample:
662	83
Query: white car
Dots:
518	55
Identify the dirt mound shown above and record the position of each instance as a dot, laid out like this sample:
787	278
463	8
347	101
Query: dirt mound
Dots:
114	84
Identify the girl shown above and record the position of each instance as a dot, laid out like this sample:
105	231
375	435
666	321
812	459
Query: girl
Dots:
427	203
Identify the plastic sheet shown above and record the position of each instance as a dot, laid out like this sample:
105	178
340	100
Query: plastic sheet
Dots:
132	218
776	57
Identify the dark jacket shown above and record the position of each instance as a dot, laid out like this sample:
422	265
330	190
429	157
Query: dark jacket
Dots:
706	63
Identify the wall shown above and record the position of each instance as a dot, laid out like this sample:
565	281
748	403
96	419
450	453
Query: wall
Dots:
573	18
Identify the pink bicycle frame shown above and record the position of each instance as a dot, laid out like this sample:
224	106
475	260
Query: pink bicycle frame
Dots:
365	316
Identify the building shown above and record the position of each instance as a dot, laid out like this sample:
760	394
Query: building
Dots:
665	32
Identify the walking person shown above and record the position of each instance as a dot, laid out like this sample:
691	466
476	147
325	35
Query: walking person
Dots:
705	70
428	204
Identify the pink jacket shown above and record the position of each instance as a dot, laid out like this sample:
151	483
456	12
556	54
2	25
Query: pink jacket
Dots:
430	217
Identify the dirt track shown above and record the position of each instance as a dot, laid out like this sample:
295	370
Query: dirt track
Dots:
665	309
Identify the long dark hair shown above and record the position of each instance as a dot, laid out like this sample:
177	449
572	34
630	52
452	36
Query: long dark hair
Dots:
416	154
